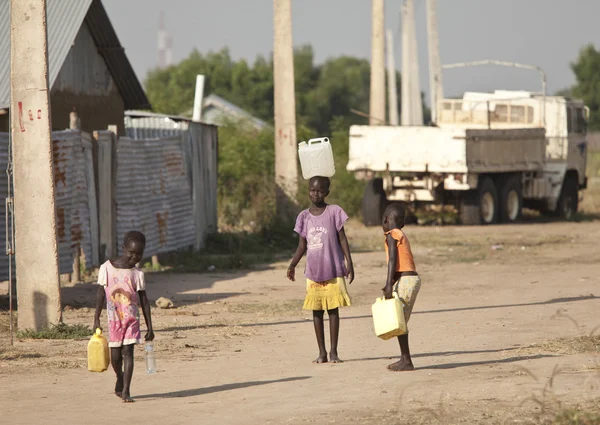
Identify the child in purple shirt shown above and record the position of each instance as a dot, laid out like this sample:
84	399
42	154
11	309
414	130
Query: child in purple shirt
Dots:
323	239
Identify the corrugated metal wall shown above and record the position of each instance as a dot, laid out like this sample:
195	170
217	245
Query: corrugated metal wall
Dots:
3	195
166	188
76	216
154	193
72	192
203	148
200	151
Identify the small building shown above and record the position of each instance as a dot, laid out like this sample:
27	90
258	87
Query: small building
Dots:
216	111
87	67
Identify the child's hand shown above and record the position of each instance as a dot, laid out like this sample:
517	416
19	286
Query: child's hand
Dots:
388	291
150	335
291	273
97	325
350	274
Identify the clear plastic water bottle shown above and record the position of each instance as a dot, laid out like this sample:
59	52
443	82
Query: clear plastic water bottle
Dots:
150	358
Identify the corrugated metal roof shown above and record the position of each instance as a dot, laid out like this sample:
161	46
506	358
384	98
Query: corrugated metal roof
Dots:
227	108
64	19
113	53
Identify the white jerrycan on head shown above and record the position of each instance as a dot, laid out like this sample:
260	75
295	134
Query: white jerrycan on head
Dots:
316	158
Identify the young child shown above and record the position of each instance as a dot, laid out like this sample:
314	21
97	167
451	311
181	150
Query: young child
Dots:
323	239
402	276
123	287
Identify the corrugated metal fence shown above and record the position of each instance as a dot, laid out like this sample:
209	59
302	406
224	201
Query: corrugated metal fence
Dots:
163	187
154	193
76	216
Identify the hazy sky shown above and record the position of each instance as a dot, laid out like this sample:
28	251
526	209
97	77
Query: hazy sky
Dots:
548	33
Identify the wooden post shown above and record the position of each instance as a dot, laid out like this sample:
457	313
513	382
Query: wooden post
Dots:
75	124
107	208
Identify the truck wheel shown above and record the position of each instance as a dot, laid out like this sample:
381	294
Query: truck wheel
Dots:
568	202
511	199
373	203
480	206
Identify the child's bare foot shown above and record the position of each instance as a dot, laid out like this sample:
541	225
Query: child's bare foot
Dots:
402	365
119	387
333	357
127	398
321	359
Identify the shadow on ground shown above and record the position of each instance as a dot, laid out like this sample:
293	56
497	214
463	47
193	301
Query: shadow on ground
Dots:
218	388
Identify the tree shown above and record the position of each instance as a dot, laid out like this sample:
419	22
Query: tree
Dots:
587	88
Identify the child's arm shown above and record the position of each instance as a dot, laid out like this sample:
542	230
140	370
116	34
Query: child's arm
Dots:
147	317
393	252
100	299
346	251
291	272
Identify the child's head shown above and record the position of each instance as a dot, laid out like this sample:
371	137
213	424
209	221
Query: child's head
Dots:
134	244
318	189
393	217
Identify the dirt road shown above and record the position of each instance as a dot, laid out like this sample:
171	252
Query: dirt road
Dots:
500	308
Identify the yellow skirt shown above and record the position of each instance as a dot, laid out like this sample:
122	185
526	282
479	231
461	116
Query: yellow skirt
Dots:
327	295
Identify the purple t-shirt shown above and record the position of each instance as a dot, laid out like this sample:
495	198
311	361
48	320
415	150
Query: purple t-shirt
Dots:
324	256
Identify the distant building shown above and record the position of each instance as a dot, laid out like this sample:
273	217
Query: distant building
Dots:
87	67
216	111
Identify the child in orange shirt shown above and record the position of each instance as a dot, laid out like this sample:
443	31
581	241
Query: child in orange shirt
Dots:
402	276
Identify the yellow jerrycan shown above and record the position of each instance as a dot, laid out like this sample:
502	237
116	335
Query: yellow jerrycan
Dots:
388	317
98	352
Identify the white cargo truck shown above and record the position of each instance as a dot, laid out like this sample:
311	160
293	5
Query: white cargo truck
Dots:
489	154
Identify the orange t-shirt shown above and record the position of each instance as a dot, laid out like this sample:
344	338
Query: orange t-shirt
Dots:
405	262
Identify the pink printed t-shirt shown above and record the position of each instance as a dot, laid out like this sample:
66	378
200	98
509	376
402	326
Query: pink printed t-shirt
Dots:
122	304
324	256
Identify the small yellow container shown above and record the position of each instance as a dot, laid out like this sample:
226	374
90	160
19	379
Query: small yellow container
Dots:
98	359
388	318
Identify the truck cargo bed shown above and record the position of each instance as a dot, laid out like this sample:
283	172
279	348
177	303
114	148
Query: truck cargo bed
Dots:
445	150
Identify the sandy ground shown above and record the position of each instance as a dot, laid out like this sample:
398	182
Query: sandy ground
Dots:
500	332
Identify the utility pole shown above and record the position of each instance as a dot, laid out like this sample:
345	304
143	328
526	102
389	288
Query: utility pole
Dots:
286	161
38	278
412	106
377	94
392	89
436	87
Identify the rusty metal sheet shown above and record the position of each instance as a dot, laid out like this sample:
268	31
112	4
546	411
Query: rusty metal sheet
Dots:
72	197
154	193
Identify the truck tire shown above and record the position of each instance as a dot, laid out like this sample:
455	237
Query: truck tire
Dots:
480	206
568	201
511	198
469	210
373	203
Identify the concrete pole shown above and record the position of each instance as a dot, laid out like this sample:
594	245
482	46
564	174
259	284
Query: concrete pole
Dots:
377	95
436	87
405	111
198	97
415	80
391	74
286	155
37	260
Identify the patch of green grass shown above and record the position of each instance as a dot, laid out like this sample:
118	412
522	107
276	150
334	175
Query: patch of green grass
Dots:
575	417
60	331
